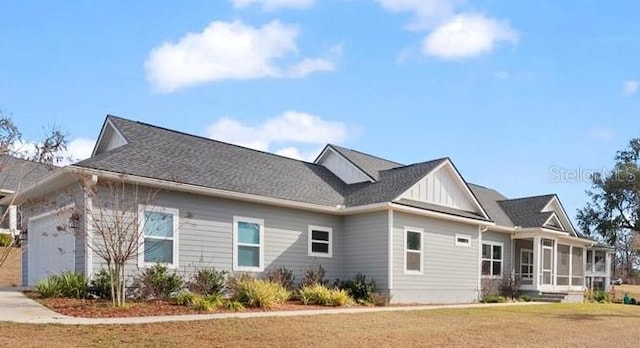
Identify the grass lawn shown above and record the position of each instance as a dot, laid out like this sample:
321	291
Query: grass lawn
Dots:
10	271
544	325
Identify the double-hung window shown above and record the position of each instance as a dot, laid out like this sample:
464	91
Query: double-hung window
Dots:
159	234
320	241
492	259
413	260
248	244
526	263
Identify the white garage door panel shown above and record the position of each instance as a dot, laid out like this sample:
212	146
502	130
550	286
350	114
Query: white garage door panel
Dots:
49	251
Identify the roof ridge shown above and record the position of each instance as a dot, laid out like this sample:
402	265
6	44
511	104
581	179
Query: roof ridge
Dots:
416	164
529	197
364	153
211	139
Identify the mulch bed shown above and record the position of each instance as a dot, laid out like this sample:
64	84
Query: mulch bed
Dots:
89	308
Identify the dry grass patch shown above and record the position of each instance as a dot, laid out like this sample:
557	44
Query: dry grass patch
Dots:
632	290
11	269
538	325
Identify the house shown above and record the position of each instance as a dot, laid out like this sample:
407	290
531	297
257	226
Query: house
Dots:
16	174
420	231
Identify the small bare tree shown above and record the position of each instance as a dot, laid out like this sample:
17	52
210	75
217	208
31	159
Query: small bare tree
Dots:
19	162
114	226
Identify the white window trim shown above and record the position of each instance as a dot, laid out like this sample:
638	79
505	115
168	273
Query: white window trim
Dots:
530	263
311	241
141	223
501	244
463	236
408	229
260	222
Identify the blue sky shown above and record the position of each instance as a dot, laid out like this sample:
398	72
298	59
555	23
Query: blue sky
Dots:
514	92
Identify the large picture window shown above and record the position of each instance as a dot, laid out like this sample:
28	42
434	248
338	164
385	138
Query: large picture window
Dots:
320	241
492	259
159	227
413	251
248	244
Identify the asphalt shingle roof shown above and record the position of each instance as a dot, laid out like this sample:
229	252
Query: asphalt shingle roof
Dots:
489	199
17	173
526	212
369	164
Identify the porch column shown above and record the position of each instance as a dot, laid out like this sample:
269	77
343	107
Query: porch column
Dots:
570	266
555	263
607	271
584	265
536	262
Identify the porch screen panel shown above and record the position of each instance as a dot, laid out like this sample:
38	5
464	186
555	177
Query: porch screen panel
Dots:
577	264
563	265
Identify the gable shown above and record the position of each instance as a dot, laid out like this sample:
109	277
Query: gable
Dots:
554	222
342	167
443	186
554	206
110	138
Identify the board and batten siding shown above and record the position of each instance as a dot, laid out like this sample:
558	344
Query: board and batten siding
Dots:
365	247
450	271
441	187
205	237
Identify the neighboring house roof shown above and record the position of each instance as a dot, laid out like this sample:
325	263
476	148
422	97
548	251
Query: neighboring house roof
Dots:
527	212
369	164
17	173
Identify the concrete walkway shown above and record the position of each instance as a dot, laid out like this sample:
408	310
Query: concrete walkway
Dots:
16	307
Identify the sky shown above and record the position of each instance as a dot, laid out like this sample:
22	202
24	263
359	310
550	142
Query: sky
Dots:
527	97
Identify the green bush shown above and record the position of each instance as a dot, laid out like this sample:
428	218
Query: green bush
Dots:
215	300
493	299
6	240
157	282
186	298
314	276
203	305
358	287
283	276
601	297
208	281
233	305
321	295
259	293
100	285
525	298
67	284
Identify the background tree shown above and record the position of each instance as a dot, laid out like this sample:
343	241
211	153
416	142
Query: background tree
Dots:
613	213
17	166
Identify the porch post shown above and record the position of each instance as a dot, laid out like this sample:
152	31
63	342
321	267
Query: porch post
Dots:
607	271
584	266
555	263
570	266
536	262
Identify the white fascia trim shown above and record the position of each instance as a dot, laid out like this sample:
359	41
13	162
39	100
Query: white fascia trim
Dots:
104	128
564	213
329	147
554	217
547	233
429	213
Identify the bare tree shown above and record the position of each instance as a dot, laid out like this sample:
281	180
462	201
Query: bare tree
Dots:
114	226
20	164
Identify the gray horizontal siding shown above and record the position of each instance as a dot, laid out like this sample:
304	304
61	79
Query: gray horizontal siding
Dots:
505	238
365	247
450	272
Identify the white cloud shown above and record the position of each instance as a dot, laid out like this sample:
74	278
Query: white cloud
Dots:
630	87
284	134
229	51
79	149
600	134
467	35
272	5
428	13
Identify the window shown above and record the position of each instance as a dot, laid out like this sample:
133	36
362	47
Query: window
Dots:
589	260
320	241
248	244
526	263
599	260
413	251
159	231
492	259
463	240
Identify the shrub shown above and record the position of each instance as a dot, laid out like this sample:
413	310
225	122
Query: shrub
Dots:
283	276
314	276
215	300
233	305
73	285
236	279
49	287
525	298
260	293
157	282
358	287
601	297
202	305
321	295
493	299
6	240
186	298
510	287
100	285
380	299
208	281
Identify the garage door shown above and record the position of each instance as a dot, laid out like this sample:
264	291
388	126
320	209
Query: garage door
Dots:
49	251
